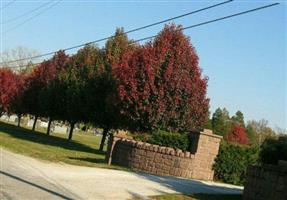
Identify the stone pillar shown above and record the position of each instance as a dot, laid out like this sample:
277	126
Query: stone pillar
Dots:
206	150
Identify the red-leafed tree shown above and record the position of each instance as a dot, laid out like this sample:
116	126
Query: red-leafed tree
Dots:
50	97
35	81
160	85
11	91
7	88
33	85
237	135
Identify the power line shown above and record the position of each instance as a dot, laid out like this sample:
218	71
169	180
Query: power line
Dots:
26	13
197	25
6	5
31	18
130	31
217	19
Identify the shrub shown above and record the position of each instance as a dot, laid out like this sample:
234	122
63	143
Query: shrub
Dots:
167	139
273	150
144	137
232	162
237	135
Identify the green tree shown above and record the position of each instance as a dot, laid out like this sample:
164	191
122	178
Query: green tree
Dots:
82	68
250	134
105	111
208	124
221	122
238	118
51	96
115	46
52	101
80	91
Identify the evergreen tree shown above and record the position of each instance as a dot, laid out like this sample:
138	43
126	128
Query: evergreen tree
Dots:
238	118
221	121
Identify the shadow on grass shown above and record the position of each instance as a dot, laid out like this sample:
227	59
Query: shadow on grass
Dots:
41	138
217	196
92	160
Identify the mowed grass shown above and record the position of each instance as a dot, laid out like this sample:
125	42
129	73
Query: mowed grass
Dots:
81	150
198	197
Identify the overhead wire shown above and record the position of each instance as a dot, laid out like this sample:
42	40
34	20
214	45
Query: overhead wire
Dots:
198	24
29	12
130	31
32	17
7	5
215	20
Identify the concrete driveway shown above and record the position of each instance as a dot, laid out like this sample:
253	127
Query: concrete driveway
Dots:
23	177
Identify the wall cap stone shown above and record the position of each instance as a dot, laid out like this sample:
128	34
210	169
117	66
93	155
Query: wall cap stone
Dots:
209	132
154	148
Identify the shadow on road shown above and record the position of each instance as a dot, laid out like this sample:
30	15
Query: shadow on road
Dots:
36	185
178	196
38	137
188	186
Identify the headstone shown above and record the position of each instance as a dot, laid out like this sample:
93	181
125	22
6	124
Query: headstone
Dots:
60	129
4	117
13	118
30	123
44	124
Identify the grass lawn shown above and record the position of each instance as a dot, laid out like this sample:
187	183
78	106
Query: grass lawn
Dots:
197	197
82	150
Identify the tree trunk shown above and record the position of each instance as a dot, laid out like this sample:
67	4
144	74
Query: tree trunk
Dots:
105	133
19	120
49	126
71	130
35	122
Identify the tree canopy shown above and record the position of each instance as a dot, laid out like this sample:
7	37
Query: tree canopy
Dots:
156	85
159	85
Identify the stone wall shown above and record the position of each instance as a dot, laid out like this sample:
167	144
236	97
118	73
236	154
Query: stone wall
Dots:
266	183
167	161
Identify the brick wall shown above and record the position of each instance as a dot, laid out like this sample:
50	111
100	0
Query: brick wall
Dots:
266	183
167	161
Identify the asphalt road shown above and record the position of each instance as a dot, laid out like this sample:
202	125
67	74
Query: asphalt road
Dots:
23	178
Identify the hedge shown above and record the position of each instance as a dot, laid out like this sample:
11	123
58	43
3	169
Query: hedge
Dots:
232	161
165	138
273	150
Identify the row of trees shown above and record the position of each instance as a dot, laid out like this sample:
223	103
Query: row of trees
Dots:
157	85
235	129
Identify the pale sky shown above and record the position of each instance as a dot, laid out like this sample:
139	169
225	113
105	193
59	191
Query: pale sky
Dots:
244	57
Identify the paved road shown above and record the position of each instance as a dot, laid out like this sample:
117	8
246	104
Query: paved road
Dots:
23	178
